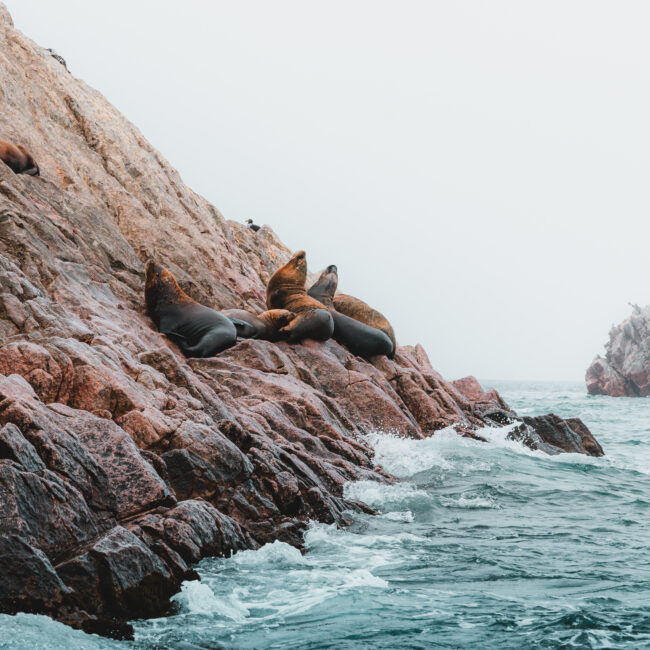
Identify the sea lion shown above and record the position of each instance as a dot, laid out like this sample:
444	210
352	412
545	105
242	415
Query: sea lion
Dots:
286	290
361	339
265	326
18	158
359	310
198	330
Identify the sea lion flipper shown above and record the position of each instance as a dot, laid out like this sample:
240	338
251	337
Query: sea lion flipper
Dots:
167	327
244	330
213	342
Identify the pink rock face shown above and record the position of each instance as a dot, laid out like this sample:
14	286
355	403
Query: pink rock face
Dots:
122	462
625	369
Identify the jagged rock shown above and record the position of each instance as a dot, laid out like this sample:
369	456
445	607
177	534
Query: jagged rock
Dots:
554	435
625	369
121	462
28	581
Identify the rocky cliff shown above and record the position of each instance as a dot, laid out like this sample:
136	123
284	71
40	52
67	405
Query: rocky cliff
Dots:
625	369
121	462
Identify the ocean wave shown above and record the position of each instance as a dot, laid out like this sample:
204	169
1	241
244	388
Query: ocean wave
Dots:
383	495
405	517
404	457
470	502
278	553
197	598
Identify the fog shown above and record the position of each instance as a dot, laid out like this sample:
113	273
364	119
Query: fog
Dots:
477	170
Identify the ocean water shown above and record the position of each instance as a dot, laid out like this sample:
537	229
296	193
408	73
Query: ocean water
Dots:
478	545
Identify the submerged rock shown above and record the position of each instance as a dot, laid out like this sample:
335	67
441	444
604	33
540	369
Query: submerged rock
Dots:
121	462
625	369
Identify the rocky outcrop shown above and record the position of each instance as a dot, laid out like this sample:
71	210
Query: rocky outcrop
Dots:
121	462
554	435
625	369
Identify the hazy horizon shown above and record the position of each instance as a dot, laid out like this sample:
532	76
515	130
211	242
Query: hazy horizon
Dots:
475	170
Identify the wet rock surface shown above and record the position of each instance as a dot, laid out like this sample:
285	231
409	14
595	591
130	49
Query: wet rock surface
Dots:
121	462
554	435
625	369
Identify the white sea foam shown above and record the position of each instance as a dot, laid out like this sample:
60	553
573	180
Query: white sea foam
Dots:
319	536
197	598
406	516
404	457
447	451
380	495
363	578
470	502
277	553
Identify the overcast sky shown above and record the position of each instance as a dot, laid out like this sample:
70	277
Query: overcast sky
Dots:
478	171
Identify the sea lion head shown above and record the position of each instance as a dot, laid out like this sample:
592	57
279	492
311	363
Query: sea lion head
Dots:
325	287
287	281
299	263
276	319
160	287
31	168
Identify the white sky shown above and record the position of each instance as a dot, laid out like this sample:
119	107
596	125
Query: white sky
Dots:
477	170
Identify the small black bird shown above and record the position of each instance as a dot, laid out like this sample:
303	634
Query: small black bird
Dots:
58	57
251	225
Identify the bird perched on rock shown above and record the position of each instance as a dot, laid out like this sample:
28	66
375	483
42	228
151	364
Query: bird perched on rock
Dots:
58	57
253	226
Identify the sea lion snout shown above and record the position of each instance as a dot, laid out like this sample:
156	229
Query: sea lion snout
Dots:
152	270
299	262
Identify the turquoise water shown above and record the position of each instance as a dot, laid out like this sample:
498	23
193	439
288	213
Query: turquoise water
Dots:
479	545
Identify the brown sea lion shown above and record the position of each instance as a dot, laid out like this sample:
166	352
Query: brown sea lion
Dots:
359	310
361	339
265	326
286	290
18	159
198	330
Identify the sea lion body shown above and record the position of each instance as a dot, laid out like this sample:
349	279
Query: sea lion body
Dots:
198	330
18	159
265	326
361	339
360	311
286	290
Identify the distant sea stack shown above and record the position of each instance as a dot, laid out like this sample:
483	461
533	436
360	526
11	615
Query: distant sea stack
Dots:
625	369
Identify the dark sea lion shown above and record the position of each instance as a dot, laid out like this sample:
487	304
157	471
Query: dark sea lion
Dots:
18	159
359	310
286	290
361	339
325	287
198	330
265	326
